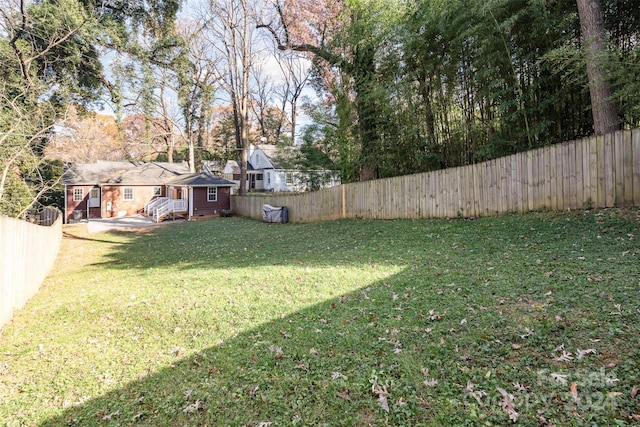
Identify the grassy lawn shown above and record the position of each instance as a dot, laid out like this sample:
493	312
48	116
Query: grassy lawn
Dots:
532	319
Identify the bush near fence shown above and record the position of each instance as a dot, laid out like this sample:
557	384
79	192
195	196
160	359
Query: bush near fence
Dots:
602	171
27	254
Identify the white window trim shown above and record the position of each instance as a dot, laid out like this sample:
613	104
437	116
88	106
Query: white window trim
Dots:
78	194
124	194
215	194
157	191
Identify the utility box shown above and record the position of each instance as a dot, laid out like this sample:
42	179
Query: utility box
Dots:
275	214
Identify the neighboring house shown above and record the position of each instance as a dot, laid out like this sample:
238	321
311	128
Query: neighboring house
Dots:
267	171
106	189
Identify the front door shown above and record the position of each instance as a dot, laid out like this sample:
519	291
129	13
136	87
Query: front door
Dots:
94	198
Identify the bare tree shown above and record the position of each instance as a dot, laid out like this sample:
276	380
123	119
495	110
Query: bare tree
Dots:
230	26
86	139
261	104
296	73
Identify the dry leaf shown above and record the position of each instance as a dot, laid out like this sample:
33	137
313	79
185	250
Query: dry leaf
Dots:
344	395
565	357
253	390
507	404
562	379
113	414
582	353
634	392
193	407
278	353
574	391
519	387
611	381
382	401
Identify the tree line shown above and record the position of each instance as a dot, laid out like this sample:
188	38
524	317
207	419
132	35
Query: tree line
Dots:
401	86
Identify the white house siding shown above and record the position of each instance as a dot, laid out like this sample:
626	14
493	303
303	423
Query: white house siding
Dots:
274	180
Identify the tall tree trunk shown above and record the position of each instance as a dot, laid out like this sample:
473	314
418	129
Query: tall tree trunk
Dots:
603	106
368	112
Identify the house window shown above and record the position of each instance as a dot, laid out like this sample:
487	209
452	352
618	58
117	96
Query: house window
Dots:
268	178
259	177
157	191
288	178
212	194
78	194
127	194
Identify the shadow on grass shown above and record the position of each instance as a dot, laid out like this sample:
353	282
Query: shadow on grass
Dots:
328	362
400	351
84	236
308	367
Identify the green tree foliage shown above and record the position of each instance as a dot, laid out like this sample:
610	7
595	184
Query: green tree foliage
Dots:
454	82
50	51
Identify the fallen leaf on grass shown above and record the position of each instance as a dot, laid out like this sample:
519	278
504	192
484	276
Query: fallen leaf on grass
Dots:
507	404
519	387
574	391
108	417
583	353
562	379
611	381
382	401
193	407
382	395
344	395
565	357
278	353
634	392
429	382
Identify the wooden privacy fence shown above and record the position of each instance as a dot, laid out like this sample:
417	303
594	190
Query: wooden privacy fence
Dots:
27	254
601	171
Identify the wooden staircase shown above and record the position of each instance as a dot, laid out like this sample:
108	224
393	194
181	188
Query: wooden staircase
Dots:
162	208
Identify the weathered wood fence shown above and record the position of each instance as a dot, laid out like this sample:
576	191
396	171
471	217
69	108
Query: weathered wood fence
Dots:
599	171
27	254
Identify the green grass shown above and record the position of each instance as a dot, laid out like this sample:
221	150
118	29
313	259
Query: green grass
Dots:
236	322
